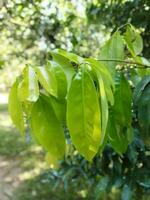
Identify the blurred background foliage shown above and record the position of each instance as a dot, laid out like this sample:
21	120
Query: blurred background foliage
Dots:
29	29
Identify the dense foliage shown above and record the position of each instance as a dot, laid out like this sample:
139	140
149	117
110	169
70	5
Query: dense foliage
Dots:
29	31
89	97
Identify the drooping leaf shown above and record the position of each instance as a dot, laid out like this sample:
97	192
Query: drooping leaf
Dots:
133	41
113	49
65	64
28	89
118	135
103	106
83	115
46	127
15	107
61	81
47	80
140	88
59	107
123	100
106	76
144	114
119	126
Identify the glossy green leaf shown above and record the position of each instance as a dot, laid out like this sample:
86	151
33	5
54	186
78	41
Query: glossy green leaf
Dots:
113	49
61	81
71	56
83	115
106	76
28	89
59	107
133	41
46	127
15	108
47	80
103	105
65	64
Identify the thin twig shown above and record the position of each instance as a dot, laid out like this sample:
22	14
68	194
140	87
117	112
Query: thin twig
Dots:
125	61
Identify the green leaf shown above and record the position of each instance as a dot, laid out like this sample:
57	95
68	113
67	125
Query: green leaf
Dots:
106	76
15	108
59	107
28	89
103	105
119	136
47	80
144	114
46	127
61	81
133	41
140	88
83	115
120	117
113	49
65	64
71	56
123	100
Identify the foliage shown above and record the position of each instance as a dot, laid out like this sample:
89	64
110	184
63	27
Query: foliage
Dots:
72	92
114	14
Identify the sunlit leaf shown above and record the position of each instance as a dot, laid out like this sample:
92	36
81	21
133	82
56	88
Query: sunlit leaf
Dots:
65	64
28	89
83	115
71	56
61	81
133	41
47	80
113	49
103	105
106	76
15	107
46	127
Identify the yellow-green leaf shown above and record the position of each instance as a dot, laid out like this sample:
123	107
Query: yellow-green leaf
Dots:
28	89
83	115
47	80
61	81
103	105
65	64
15	108
46	127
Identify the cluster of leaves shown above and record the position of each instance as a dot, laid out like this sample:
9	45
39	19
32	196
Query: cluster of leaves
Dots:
86	96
